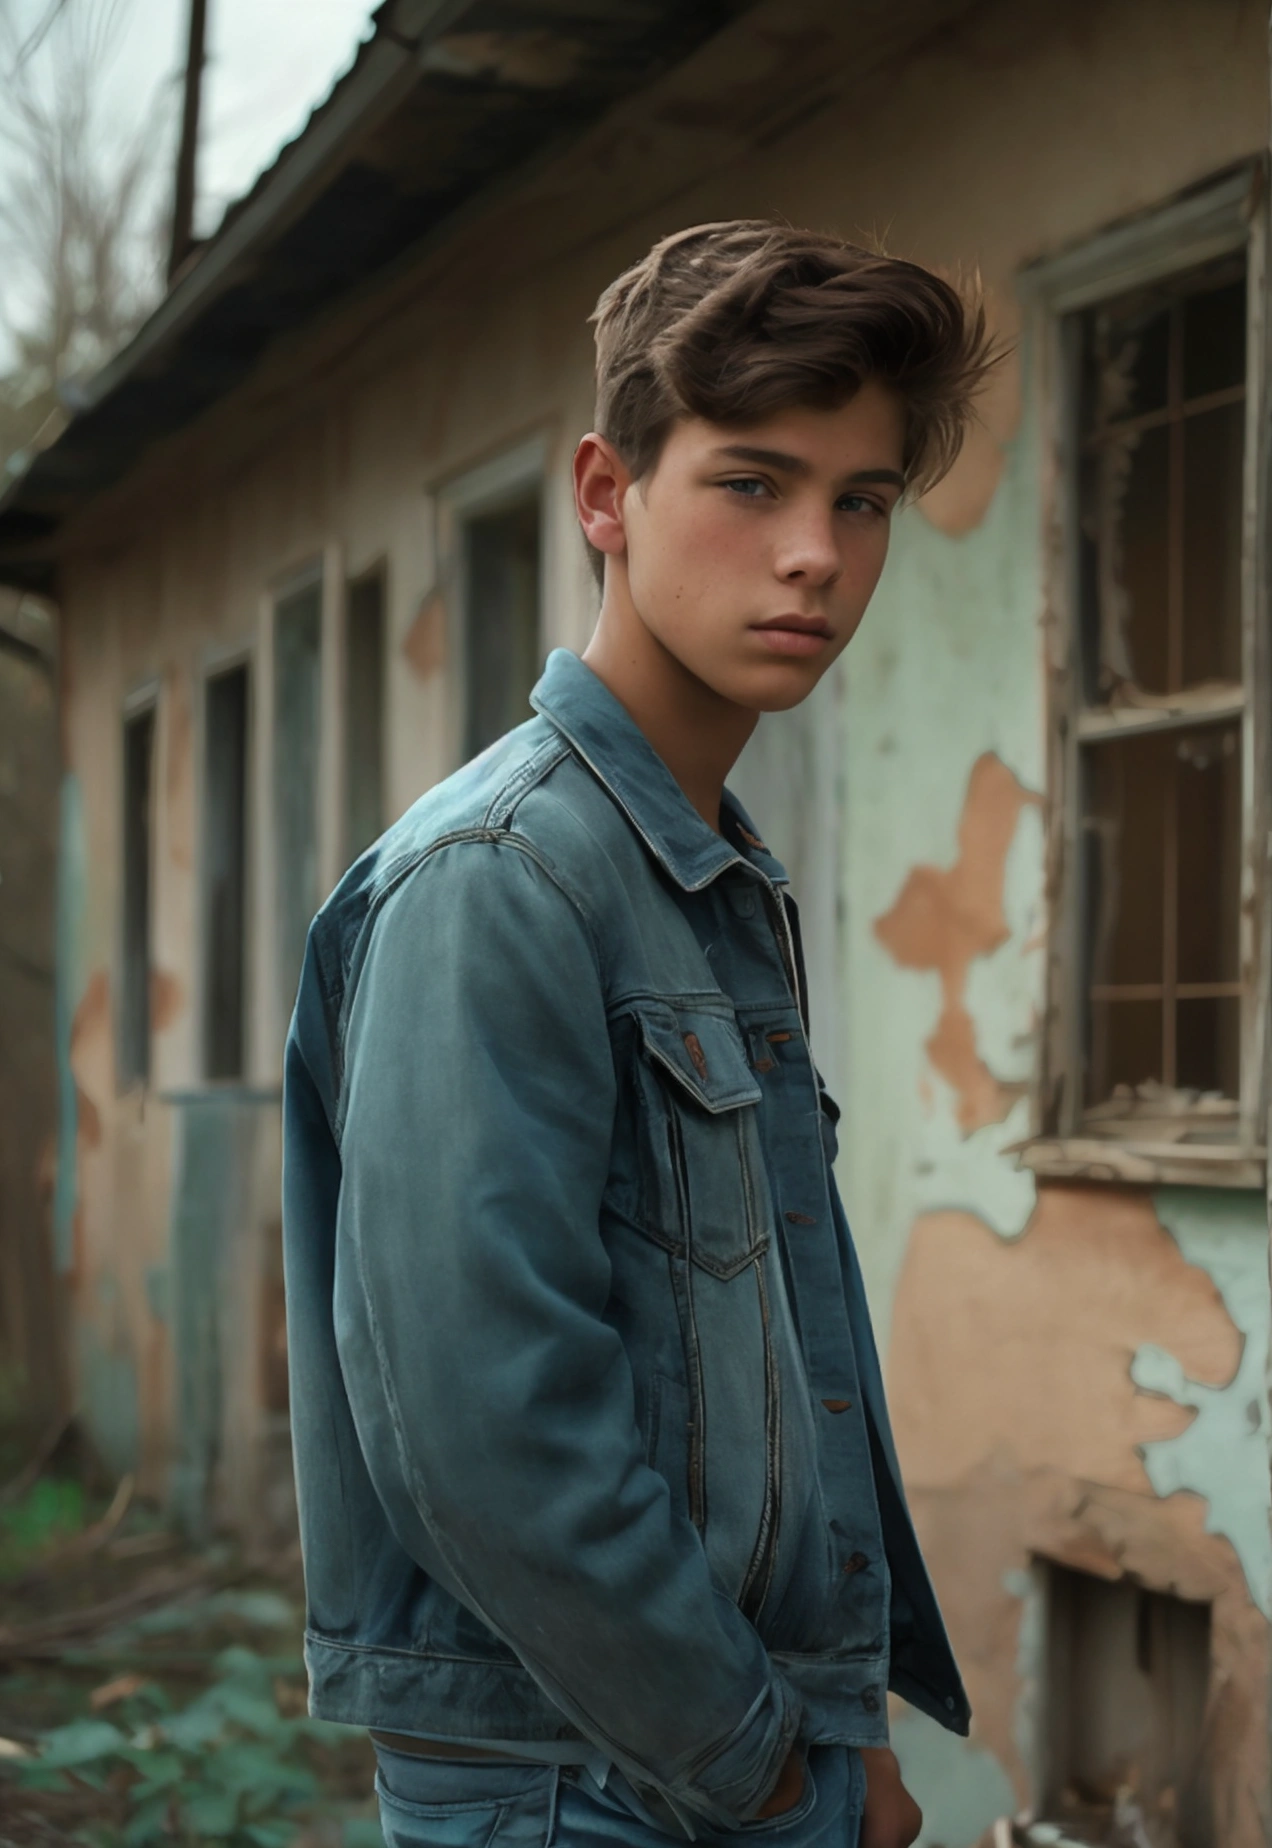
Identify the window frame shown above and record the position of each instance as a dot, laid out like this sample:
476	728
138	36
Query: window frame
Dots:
499	482
1221	218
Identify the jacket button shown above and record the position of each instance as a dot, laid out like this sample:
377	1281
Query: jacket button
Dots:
837	1405
870	1701
857	1561
798	1219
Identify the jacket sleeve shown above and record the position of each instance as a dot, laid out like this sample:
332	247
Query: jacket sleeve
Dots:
493	1401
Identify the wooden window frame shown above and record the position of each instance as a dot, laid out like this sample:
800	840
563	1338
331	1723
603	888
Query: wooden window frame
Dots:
1224	217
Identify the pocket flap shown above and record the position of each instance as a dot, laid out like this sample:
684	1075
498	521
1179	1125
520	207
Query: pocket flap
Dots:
703	1052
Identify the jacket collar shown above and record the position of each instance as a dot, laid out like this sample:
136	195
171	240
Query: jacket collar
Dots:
601	731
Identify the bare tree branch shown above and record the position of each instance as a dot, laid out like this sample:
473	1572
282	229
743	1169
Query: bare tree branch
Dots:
79	215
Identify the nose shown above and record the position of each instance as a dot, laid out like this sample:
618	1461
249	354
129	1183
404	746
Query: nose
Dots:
808	553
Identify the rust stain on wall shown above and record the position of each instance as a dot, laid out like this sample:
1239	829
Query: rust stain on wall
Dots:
167	998
425	642
944	918
178	765
1018	1427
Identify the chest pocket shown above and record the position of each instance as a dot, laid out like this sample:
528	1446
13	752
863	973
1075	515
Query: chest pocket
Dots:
703	1184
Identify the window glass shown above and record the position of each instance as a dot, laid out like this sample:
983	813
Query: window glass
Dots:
1162	389
134	1011
501	619
1162	827
364	714
225	872
297	692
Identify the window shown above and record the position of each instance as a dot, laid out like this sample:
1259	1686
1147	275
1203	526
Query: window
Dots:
502	654
1162	439
364	714
134	1007
297	721
225	872
490	553
1157	983
1127	1680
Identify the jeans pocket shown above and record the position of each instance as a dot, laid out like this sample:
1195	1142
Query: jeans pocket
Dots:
776	1826
463	1803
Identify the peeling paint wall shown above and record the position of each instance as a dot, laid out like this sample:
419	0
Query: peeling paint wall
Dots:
1075	1369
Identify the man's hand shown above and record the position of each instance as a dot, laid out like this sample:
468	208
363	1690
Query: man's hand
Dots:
788	1789
892	1818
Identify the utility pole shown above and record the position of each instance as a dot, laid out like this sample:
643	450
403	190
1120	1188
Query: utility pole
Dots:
188	147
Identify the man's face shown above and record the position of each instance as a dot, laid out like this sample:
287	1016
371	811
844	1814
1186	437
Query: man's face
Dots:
752	552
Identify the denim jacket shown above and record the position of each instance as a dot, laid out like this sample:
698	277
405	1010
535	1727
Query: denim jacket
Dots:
590	1432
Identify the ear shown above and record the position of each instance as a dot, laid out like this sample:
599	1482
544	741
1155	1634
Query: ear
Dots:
601	479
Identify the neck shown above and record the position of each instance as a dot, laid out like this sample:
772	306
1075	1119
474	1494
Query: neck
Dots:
696	731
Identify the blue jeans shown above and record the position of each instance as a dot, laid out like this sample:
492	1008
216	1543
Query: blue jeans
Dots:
454	1803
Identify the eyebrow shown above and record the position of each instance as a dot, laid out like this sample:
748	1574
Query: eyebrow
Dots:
796	465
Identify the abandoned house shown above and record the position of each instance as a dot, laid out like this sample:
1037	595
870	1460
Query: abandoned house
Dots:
310	537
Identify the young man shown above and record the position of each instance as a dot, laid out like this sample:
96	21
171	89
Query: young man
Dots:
603	1528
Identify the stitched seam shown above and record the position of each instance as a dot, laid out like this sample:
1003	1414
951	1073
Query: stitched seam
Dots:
504	804
491	836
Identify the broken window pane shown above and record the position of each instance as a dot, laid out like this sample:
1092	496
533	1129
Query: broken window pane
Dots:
1214	451
1161	486
1161	905
1127	348
1208	1038
1134	481
1125	824
1124	1046
1208	792
1215	339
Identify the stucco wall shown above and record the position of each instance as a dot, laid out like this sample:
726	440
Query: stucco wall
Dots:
1075	1372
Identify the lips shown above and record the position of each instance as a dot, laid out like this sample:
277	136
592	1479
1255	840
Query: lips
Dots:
794	635
798	625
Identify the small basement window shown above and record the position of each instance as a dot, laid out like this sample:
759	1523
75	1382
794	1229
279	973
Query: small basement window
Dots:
1127	1681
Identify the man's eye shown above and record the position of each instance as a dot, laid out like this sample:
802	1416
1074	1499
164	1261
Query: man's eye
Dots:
746	485
859	503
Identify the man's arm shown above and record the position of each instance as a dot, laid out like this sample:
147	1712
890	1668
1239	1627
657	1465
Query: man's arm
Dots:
494	1404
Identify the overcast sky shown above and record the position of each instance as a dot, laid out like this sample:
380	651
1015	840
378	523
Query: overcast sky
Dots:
269	62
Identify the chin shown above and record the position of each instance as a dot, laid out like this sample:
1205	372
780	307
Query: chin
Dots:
774	692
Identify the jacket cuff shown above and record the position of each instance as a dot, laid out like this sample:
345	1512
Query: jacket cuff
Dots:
725	1788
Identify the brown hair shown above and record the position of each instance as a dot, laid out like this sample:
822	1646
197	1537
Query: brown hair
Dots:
736	320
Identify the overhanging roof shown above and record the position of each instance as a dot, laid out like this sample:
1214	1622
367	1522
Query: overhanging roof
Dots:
445	97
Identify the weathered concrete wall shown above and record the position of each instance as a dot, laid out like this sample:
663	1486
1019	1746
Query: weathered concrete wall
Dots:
1039	1341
